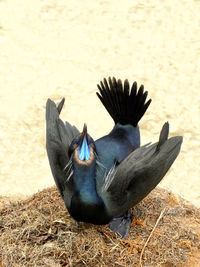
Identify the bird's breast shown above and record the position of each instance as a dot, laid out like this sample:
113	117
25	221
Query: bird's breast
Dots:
86	205
88	211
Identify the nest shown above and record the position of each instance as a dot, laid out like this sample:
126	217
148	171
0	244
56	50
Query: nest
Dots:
39	231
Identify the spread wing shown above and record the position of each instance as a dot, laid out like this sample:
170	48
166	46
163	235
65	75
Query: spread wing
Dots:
138	174
58	139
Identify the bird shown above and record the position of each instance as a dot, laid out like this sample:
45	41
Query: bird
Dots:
100	181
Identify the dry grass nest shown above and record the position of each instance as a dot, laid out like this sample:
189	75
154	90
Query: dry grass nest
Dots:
39	231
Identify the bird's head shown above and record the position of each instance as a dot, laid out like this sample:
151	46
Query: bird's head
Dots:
83	148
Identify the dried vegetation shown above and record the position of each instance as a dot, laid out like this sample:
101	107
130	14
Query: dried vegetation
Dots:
38	231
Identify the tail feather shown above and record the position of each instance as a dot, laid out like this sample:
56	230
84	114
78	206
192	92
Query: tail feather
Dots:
125	106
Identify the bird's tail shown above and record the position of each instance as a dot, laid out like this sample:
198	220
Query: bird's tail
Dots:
125	105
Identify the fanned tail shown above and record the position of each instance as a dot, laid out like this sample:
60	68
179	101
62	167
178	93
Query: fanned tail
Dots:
125	105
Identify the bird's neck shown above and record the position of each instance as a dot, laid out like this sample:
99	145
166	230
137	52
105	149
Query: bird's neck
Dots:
84	181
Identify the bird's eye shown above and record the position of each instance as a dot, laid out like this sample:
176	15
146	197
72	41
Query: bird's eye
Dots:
76	141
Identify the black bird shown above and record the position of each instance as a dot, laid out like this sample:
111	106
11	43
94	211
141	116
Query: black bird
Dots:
101	180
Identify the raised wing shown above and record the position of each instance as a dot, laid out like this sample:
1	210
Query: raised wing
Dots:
138	174
58	139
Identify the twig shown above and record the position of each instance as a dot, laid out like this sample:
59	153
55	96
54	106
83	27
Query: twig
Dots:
160	216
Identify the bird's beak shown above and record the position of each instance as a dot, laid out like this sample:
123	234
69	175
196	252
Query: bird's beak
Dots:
84	151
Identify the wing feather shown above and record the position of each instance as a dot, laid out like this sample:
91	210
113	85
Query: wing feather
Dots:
58	139
138	174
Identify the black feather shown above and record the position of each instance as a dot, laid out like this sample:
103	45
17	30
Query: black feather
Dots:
125	106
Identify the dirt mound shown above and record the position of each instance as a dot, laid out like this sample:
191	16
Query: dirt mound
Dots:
39	232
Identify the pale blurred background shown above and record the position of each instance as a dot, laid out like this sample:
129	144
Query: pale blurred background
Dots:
62	48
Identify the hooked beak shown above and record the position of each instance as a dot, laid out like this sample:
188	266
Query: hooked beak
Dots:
84	151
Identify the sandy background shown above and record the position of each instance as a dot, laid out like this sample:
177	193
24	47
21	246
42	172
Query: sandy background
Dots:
63	48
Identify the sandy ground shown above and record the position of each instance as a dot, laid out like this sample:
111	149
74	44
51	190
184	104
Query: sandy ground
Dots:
63	48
